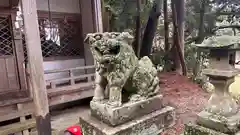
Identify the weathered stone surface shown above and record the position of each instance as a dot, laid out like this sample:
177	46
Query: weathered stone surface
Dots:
221	73
126	100
221	102
118	115
120	76
221	114
218	122
194	129
151	124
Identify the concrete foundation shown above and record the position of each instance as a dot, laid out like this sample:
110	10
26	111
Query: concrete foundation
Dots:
150	124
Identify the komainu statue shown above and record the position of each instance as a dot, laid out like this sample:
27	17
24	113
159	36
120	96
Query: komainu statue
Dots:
120	76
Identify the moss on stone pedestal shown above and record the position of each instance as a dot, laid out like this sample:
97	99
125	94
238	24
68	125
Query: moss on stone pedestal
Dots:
193	129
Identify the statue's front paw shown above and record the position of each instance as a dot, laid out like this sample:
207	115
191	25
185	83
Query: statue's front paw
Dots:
136	97
114	103
98	99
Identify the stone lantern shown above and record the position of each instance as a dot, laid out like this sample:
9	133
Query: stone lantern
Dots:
221	114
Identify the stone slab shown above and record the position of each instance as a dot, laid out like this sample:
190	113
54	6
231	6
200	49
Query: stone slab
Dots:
194	129
219	123
151	124
118	115
221	73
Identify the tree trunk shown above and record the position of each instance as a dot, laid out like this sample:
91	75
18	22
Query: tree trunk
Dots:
167	59
137	41
200	38
180	13
176	37
150	29
201	25
166	25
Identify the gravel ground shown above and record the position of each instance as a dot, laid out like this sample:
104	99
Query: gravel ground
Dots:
187	97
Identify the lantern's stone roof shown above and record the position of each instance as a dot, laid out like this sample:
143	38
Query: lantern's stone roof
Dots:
225	41
221	72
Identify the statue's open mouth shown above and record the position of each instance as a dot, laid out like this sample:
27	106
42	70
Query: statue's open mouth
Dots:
107	55
115	50
108	52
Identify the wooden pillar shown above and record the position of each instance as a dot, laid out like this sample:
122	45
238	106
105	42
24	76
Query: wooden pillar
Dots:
17	38
88	26
105	17
36	67
98	15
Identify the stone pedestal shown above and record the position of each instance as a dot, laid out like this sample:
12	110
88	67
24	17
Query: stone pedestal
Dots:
114	116
221	115
126	100
151	124
223	124
147	117
195	129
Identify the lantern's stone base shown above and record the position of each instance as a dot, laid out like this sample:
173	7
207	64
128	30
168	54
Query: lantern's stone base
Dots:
114	116
150	124
212	124
194	129
220	123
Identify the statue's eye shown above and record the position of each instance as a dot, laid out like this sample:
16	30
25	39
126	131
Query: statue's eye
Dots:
113	36
98	50
98	37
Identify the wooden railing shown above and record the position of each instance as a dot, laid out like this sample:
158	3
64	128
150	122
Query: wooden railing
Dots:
71	78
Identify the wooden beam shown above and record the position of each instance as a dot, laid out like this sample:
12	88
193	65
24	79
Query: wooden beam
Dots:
17	35
22	119
88	26
98	15
14	3
58	15
16	114
17	127
6	11
36	70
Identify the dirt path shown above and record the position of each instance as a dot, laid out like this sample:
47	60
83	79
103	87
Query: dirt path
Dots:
185	96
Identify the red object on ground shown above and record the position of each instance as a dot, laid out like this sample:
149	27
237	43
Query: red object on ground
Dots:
74	130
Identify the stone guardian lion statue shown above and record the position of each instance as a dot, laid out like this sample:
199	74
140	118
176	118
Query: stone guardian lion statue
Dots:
120	76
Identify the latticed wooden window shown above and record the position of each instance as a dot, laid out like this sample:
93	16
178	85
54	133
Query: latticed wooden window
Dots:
6	47
61	38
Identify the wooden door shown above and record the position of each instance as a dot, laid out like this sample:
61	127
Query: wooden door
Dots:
9	77
8	74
